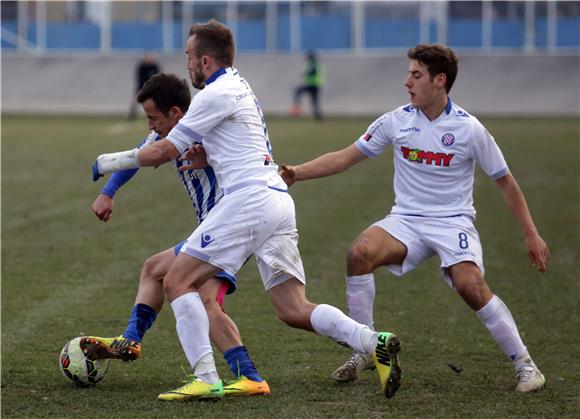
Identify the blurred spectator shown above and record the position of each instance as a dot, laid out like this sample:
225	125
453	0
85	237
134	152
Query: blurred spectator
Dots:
313	81
146	68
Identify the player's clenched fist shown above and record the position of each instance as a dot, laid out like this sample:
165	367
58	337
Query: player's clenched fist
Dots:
103	207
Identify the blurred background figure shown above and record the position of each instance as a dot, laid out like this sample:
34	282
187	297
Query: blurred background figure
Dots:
147	67
313	82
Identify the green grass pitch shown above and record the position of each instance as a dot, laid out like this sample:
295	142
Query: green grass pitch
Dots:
64	274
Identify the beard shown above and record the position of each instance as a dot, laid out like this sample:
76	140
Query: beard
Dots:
197	78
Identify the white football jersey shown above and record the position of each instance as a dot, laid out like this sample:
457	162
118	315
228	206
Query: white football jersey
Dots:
200	184
434	160
227	119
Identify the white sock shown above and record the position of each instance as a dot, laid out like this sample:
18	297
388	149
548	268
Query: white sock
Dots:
329	321
192	327
360	296
500	323
205	369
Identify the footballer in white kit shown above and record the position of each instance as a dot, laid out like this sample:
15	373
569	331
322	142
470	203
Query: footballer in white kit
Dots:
239	151
165	99
433	182
436	145
255	216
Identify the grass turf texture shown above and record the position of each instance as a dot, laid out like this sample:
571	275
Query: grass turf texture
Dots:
64	274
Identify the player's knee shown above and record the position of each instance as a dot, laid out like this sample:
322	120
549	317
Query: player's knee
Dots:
358	255
474	290
171	287
151	270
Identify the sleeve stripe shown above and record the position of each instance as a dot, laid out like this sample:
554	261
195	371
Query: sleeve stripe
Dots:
500	174
364	149
188	131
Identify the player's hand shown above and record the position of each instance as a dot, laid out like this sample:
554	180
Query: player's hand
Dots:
103	207
538	252
194	158
96	173
288	174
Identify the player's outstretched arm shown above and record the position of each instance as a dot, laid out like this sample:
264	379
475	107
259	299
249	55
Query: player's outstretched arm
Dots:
157	153
153	154
325	165
536	248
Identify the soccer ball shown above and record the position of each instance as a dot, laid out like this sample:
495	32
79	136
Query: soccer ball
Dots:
76	367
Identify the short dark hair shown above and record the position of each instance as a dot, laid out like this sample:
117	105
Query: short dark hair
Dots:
438	59
166	91
216	40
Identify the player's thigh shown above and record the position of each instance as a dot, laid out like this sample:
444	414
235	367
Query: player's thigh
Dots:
157	266
187	273
378	247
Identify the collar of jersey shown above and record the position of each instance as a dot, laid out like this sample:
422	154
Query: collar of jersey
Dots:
447	109
215	75
448	106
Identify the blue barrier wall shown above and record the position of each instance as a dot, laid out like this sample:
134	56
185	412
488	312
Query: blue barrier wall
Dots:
383	33
320	32
568	32
251	36
325	32
72	35
137	35
464	33
508	34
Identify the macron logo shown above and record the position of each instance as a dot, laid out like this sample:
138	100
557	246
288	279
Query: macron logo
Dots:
412	129
206	240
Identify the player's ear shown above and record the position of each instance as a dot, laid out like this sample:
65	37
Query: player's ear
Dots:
441	80
175	112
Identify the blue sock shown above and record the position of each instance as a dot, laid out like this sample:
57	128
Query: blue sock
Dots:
142	318
240	363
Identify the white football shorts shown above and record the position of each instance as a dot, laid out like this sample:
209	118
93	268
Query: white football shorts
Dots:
453	239
255	220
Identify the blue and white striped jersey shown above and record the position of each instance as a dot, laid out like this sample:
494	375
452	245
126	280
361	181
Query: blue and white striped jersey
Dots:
200	184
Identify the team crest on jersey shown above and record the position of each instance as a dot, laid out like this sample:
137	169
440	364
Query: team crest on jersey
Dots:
447	139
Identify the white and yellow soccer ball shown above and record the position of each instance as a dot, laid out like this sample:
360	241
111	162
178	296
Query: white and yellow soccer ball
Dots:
79	369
